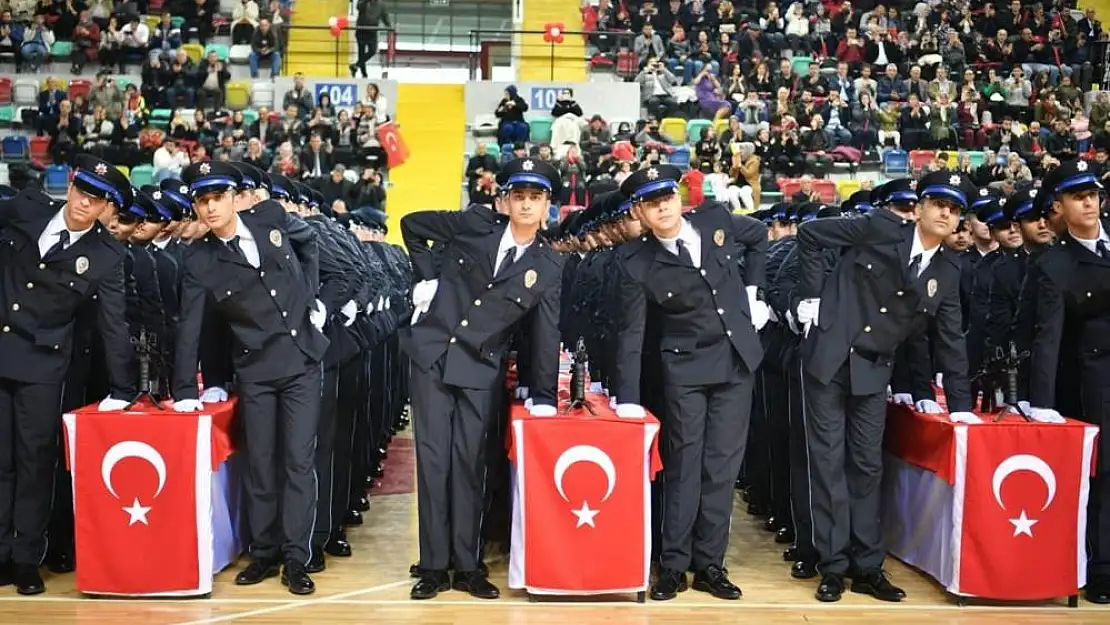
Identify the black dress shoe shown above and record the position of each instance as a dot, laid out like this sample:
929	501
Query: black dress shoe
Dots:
790	554
60	563
337	546
363	503
831	588
714	580
669	584
1098	590
757	509
257	572
476	584
316	563
27	579
296	578
431	584
803	570
354	517
878	586
770	525
784	536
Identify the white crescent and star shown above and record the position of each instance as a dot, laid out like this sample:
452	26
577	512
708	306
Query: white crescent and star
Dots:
591	454
1023	462
133	449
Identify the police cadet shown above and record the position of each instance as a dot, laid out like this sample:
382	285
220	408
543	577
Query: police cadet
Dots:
489	276
53	259
172	195
257	269
685	271
1073	323
145	311
890	280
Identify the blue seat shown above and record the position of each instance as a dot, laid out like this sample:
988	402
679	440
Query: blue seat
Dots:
56	178
680	158
15	148
896	162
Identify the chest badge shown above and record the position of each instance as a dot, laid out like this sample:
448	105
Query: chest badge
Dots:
719	237
530	277
82	265
931	287
275	237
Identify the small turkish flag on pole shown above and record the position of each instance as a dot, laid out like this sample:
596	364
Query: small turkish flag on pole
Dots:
389	135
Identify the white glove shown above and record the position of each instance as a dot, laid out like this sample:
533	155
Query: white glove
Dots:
187	405
542	410
521	392
964	417
791	323
1041	415
350	311
595	387
761	314
319	316
370	307
928	406
381	303
808	309
387	303
774	316
902	398
939	380
422	294
630	411
111	405
612	402
213	395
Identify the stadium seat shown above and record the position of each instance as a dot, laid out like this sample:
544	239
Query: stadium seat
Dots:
160	118
540	128
250	115
5	90
977	158
720	125
493	149
240	54
222	51
40	150
788	187
125	170
61	50
7	115
919	159
194	50
680	158
56	179
953	159
5	177
800	65
484	125
177	22
26	91
684	192
78	87
694	129
673	127
262	94
14	148
845	187
63	84
707	189
238	95
142	175
826	189
123	81
896	162
152	21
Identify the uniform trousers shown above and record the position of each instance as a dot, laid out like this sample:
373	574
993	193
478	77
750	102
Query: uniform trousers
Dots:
30	424
1096	404
360	452
450	426
777	444
351	379
705	431
801	499
757	460
326	444
845	436
280	420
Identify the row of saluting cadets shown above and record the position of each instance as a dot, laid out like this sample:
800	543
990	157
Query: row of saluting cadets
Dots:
765	344
117	292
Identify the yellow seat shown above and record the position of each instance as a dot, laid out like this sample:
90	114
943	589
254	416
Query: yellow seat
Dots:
238	95
194	50
953	159
126	171
63	84
684	192
674	128
720	125
845	187
152	21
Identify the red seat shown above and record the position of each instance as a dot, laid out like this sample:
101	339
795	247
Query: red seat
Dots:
919	159
788	187
567	209
5	90
40	150
79	87
628	64
826	189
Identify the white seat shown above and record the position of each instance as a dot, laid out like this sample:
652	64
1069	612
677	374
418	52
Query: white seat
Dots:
484	125
4	179
262	94
26	91
239	54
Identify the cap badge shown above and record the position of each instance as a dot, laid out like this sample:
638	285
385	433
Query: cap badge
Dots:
530	277
652	173
983	192
913	185
204	168
719	237
1032	193
156	195
954	180
82	265
183	189
1081	166
931	287
528	165
100	169
275	237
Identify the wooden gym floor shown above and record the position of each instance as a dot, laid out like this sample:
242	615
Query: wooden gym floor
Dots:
373	586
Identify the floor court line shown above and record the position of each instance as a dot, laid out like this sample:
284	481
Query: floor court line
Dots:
293	605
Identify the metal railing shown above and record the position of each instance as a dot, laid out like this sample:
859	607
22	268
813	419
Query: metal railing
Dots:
489	45
333	45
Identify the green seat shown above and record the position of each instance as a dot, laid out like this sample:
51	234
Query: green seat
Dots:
800	64
694	128
493	149
707	189
7	115
540	129
160	118
61	49
222	51
142	175
177	22
250	116
123	82
977	158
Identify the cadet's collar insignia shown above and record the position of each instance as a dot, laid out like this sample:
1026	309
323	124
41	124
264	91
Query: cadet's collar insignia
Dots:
719	237
1002	201
913	185
528	165
156	195
101	169
275	237
82	265
205	168
1032	194
652	173
983	192
530	277
954	180
1081	166
183	189
931	287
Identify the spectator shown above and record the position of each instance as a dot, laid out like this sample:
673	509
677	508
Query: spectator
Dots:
657	88
169	161
86	41
649	45
375	98
212	76
315	158
165	40
111	45
336	186
198	19
106	93
511	127
371	15
244	19
298	96
37	41
135	39
265	46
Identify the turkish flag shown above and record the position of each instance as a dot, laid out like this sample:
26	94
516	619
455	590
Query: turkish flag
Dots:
584	484
138	502
1025	505
389	135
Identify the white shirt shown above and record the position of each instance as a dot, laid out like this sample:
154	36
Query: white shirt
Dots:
926	255
1090	244
161	243
690	238
246	243
507	243
54	227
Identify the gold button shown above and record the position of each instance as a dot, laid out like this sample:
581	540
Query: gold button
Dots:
1088	293
477	302
851	350
70	284
464	323
292	333
56	347
15	306
883	310
728	257
454	340
273	292
866	328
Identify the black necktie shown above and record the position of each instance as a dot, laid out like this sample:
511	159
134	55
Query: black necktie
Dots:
510	256
63	240
233	245
1103	249
915	267
683	253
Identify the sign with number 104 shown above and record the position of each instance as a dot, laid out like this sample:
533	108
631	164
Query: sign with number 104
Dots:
544	98
340	93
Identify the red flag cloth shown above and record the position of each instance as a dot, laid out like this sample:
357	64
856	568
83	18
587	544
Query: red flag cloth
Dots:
142	496
389	135
582	507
